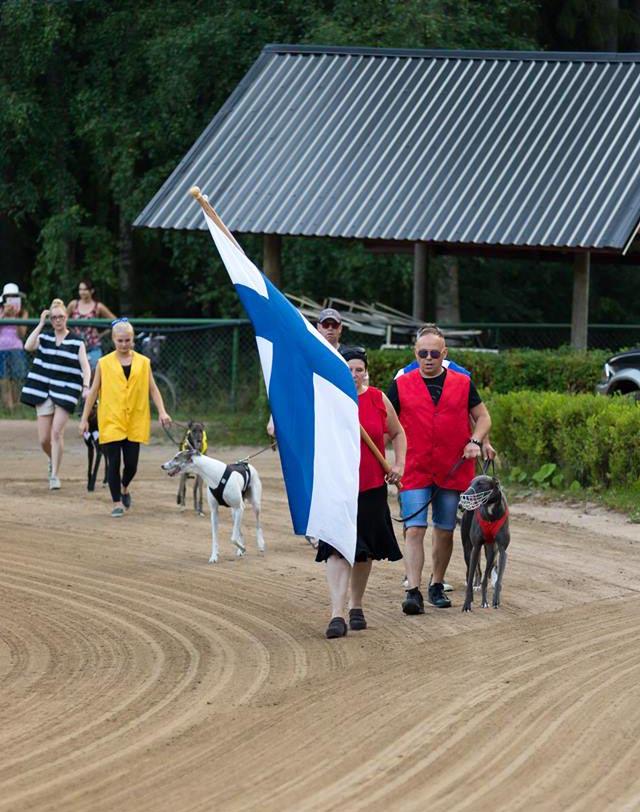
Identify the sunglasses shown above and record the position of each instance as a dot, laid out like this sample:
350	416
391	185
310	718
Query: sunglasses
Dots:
55	318
435	354
122	320
330	323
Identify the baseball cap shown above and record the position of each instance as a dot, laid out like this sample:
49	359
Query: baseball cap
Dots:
329	313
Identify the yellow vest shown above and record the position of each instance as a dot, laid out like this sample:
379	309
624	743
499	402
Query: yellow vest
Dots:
123	407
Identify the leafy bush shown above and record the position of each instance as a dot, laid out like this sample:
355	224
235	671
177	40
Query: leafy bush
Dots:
563	370
587	439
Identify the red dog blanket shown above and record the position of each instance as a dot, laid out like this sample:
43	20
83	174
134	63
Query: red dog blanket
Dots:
490	529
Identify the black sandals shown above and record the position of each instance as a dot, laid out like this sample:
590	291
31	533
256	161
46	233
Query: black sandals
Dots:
337	628
357	620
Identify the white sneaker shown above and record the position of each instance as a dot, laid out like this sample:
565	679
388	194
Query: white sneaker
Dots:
54	483
445	586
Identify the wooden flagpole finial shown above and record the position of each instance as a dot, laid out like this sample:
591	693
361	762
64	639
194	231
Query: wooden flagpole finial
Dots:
208	209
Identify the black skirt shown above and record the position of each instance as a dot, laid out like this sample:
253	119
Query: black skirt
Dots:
376	539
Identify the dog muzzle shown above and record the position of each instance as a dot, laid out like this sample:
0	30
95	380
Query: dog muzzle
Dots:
471	500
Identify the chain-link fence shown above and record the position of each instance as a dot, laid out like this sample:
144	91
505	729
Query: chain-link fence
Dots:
210	367
202	367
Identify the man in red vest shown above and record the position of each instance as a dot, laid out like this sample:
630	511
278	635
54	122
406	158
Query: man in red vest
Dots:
435	405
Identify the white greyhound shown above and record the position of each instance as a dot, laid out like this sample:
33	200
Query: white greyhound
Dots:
231	484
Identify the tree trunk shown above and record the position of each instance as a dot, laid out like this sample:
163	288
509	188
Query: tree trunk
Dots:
420	280
272	258
125	265
610	32
634	38
447	292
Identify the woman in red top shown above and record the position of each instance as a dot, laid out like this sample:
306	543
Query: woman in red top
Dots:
376	539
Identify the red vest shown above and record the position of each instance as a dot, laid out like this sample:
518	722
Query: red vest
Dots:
373	418
436	435
490	528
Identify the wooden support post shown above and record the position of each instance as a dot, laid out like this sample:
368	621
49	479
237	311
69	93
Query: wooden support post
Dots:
271	258
580	307
420	280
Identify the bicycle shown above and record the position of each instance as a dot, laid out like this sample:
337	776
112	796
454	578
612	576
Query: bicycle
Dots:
151	346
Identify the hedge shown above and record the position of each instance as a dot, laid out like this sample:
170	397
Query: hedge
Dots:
563	370
593	440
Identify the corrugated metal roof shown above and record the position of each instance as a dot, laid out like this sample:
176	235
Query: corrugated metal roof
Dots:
497	148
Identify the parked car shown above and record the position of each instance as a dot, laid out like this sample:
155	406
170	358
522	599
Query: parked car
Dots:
621	375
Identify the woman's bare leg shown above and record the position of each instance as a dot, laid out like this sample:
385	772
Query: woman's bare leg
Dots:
60	420
44	433
359	577
7	392
338	574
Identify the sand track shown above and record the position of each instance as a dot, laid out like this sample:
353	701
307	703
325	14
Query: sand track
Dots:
135	676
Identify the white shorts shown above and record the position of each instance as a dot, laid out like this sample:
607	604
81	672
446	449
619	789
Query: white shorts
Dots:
45	408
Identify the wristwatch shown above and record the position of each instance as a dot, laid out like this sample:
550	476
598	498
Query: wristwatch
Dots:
476	442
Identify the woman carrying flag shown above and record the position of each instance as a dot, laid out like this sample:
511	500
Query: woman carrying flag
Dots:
376	539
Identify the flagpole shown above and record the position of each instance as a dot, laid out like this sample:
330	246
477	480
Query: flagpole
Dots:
384	462
194	191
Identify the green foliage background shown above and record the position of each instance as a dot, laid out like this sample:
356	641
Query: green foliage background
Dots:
100	100
562	370
594	441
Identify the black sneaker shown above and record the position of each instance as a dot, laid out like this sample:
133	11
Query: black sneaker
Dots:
437	597
413	604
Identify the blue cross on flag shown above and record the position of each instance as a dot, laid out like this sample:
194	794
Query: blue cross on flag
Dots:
313	401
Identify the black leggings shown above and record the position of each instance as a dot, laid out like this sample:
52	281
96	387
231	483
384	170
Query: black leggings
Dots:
130	453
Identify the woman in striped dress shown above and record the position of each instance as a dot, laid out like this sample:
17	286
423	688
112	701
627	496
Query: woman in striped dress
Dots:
60	375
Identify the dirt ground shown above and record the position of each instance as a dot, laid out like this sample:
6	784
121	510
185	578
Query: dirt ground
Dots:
136	676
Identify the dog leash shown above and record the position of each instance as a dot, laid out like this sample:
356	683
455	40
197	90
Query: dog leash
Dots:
486	464
436	488
170	436
272	445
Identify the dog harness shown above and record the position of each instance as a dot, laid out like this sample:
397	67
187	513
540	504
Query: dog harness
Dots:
491	529
240	467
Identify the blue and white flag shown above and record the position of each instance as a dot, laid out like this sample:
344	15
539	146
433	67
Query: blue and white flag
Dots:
314	404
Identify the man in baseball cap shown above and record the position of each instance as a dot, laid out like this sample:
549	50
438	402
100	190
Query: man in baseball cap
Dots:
329	325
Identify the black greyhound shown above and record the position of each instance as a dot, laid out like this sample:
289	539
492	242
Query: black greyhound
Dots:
195	437
485	523
94	451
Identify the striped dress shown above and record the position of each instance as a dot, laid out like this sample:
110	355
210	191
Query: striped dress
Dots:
55	373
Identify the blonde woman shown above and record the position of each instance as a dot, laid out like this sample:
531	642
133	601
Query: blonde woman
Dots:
122	384
59	376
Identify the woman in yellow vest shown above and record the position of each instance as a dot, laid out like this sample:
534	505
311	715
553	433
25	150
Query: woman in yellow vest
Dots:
123	383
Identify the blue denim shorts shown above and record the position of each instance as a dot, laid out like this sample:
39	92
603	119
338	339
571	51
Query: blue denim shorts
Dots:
444	507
